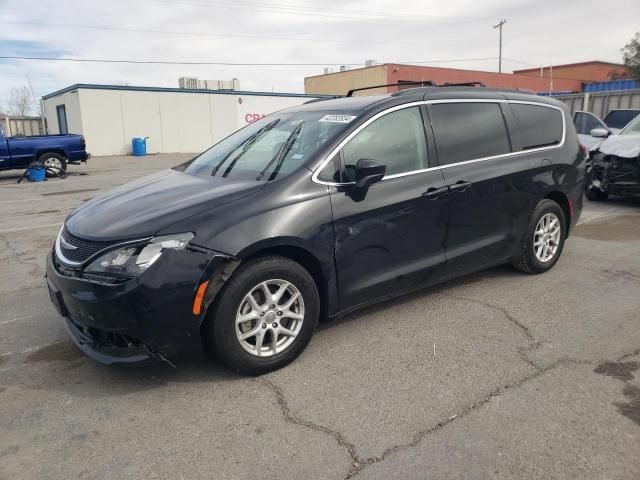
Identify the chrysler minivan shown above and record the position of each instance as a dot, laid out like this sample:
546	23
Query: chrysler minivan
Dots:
313	212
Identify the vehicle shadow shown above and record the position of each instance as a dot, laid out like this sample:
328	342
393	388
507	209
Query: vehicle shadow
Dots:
501	271
12	176
62	366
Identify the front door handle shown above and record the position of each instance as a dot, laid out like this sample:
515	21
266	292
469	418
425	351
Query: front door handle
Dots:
459	186
433	193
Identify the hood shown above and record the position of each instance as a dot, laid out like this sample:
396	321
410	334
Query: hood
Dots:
145	206
626	146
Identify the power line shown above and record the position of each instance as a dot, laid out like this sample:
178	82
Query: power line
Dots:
167	62
236	64
289	9
201	34
521	62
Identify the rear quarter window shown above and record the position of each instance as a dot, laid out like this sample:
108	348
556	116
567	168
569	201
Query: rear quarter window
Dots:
538	126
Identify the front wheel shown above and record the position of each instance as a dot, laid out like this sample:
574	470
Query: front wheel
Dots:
265	316
544	240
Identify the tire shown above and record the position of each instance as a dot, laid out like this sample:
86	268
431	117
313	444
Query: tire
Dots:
595	194
221	334
50	159
529	260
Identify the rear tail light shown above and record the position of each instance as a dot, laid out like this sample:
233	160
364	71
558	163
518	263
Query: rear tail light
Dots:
583	149
83	143
570	209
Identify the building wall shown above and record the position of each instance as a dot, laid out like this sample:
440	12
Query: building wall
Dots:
339	83
489	79
72	106
174	121
586	72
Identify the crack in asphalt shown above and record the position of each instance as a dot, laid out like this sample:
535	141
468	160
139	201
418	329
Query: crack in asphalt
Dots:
510	317
626	356
358	464
522	351
420	435
286	412
31	261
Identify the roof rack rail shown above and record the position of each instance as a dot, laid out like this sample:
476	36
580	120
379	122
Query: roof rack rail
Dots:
422	83
321	99
464	84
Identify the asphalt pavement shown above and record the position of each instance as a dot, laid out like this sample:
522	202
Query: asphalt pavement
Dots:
496	375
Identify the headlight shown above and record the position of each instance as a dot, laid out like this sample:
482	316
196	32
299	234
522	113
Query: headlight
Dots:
135	259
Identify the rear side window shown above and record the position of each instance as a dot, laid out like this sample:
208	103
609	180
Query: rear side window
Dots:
467	131
538	126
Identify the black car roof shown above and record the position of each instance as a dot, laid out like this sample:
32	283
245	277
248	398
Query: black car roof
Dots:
366	102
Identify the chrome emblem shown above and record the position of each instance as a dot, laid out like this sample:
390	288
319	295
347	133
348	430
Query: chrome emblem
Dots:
66	245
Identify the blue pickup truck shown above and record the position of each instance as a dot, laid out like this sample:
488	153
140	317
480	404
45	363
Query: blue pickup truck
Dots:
50	150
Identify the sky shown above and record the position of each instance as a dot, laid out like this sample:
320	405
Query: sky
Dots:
451	33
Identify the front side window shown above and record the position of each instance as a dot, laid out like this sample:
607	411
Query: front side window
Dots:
468	131
396	139
270	148
585	122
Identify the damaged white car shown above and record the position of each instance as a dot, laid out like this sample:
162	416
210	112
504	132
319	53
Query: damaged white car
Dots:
613	167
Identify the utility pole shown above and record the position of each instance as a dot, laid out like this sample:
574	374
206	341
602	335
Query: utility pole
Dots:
39	107
499	25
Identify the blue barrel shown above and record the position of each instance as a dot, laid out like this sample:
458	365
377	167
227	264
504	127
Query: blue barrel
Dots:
139	146
36	173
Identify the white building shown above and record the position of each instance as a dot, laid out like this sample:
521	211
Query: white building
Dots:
174	119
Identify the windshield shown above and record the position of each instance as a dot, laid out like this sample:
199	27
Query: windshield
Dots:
633	128
270	148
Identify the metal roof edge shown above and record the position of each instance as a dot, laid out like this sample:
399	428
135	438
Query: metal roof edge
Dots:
90	86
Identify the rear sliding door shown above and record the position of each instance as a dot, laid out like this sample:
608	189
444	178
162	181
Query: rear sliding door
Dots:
488	185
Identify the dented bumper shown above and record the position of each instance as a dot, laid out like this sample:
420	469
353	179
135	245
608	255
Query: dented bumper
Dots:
140	318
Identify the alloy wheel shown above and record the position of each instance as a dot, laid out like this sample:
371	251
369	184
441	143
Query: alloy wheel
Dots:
269	318
546	237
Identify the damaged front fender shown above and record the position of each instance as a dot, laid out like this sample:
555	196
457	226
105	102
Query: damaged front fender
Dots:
218	271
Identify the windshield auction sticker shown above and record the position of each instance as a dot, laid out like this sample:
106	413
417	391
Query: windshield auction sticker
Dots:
338	118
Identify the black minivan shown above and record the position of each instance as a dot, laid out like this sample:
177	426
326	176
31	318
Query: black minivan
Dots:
312	212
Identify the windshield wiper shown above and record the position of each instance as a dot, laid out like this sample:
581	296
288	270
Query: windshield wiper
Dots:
247	144
278	159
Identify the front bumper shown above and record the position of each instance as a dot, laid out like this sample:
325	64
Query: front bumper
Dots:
148	316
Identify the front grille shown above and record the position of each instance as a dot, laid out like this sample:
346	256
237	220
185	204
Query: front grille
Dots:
106	338
84	248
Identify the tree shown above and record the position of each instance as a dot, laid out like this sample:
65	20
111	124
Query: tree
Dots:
19	101
631	56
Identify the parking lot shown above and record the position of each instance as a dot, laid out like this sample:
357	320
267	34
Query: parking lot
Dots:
496	375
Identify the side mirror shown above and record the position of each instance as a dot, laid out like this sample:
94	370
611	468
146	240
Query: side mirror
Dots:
600	133
369	172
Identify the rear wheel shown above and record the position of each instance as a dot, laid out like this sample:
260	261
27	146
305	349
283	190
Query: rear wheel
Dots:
545	239
265	316
53	160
